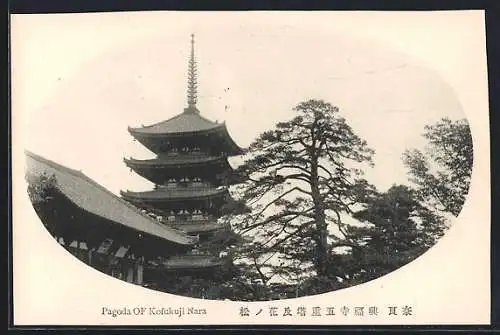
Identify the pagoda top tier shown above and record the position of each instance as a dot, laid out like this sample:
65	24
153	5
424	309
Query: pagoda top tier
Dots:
187	129
187	126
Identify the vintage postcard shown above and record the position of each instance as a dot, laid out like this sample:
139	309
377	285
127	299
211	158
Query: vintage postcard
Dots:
231	168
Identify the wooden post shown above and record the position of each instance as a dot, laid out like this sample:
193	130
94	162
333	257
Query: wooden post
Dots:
90	256
139	271
130	273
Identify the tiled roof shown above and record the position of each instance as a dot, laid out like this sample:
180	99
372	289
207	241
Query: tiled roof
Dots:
191	261
176	193
187	122
94	198
173	160
194	226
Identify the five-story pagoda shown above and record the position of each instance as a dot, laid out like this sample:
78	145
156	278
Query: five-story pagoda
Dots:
191	172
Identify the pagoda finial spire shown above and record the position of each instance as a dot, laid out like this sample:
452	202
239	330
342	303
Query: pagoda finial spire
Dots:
192	93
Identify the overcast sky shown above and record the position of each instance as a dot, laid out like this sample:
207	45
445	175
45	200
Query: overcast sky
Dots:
86	78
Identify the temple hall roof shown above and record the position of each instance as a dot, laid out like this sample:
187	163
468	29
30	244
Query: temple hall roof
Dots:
94	198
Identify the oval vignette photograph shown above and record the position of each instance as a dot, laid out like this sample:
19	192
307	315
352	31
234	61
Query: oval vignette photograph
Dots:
243	161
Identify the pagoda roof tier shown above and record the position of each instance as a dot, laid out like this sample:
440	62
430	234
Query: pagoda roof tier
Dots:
201	226
188	122
188	262
93	198
176	161
176	194
188	125
160	170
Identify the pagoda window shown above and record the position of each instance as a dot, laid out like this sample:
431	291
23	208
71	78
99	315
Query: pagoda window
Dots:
183	212
197	181
196	150
197	217
173	152
185	149
172	183
184	181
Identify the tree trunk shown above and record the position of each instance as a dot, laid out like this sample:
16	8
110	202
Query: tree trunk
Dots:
321	232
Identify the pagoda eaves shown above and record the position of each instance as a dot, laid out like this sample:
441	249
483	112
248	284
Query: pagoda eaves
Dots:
187	262
184	123
197	226
186	194
168	161
208	200
184	128
165	169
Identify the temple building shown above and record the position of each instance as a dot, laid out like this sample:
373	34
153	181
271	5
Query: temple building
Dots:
98	227
153	238
191	172
191	176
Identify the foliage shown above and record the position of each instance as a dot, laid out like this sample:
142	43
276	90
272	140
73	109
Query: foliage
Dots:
442	172
302	185
399	229
40	187
301	178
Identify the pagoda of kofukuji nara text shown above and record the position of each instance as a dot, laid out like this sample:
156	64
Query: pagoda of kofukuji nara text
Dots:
191	175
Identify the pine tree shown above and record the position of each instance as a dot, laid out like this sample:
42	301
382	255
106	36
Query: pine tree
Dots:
301	178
